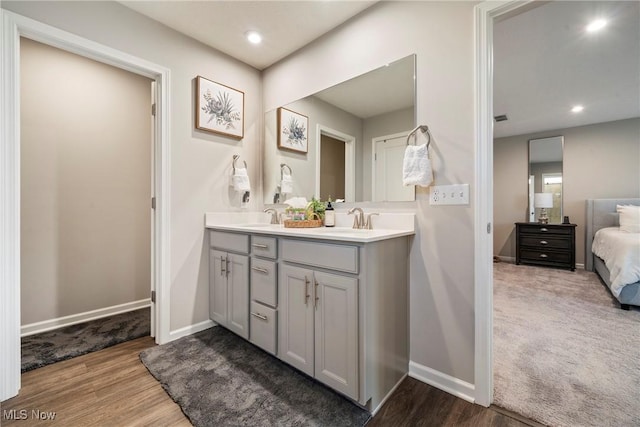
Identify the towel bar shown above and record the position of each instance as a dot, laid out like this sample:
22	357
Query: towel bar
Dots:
424	129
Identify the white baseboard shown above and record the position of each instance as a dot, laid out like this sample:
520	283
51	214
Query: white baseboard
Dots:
507	259
60	322
451	385
191	329
382	402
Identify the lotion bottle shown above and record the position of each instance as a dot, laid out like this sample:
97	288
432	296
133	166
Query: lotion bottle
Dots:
329	215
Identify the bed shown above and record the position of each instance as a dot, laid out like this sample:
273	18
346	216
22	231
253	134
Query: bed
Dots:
601	215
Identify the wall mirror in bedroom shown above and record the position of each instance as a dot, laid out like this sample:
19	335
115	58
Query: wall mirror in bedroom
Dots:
545	179
354	139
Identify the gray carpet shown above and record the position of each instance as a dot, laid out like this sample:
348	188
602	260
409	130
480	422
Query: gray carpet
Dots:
219	379
564	353
71	341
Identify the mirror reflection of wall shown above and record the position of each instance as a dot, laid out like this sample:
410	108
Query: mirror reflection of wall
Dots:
353	114
545	176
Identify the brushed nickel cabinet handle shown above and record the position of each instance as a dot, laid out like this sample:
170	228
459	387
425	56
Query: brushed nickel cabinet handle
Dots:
259	316
223	269
544	256
315	292
260	270
544	242
544	230
228	266
306	291
260	246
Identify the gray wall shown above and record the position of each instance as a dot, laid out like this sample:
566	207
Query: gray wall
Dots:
201	161
600	161
85	184
442	252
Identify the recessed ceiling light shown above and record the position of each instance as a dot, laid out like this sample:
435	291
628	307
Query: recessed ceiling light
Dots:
596	25
577	109
253	37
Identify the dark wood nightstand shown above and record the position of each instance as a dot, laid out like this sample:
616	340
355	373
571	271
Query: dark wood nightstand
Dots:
550	245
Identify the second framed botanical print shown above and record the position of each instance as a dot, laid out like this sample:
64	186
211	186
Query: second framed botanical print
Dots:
219	108
293	130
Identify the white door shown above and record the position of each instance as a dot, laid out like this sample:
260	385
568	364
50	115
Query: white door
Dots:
218	286
295	317
238	294
387	177
336	332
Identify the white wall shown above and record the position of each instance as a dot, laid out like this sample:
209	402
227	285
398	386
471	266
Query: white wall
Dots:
85	184
200	161
600	161
442	257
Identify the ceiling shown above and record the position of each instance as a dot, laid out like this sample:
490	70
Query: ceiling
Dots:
544	61
285	26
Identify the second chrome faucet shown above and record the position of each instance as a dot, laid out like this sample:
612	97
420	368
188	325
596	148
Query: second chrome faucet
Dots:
359	221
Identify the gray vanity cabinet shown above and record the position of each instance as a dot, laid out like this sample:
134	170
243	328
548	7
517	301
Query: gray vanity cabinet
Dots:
318	328
229	282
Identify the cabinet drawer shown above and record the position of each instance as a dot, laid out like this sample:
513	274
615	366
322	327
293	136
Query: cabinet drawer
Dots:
233	242
263	246
263	327
545	229
563	257
542	242
263	281
325	255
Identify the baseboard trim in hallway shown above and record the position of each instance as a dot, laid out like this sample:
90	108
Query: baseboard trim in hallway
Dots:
452	385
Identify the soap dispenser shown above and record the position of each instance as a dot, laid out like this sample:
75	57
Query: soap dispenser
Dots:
329	215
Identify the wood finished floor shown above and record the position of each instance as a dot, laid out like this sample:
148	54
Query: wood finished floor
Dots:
112	387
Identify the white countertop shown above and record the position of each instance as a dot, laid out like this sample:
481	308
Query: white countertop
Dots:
394	225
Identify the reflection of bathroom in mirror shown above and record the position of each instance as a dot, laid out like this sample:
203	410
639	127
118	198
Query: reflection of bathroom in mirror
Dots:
356	140
545	176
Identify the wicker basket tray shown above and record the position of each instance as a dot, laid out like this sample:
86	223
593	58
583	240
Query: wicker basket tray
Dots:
306	223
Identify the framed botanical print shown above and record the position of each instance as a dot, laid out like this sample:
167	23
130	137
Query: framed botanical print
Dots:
219	108
293	130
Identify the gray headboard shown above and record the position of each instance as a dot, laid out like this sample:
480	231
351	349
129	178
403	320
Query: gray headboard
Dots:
601	213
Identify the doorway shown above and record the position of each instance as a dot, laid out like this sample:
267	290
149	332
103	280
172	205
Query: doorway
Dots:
332	168
340	145
86	156
16	26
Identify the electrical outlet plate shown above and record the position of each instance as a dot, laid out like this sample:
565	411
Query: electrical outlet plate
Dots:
456	194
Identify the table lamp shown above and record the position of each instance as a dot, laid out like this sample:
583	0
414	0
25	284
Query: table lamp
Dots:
543	201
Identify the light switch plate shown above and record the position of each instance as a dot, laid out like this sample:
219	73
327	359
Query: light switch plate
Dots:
456	194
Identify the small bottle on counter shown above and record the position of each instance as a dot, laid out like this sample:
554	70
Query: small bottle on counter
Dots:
329	215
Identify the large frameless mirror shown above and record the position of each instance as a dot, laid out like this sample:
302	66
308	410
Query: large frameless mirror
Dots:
545	180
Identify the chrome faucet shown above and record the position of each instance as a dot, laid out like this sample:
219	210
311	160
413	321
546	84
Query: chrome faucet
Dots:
358	220
274	215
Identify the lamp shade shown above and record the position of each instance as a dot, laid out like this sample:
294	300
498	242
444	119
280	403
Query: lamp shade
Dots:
543	200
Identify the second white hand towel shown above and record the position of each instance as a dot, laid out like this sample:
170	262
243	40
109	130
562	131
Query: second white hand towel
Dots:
286	185
240	180
416	167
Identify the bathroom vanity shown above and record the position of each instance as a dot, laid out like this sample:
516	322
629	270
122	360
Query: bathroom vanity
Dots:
331	302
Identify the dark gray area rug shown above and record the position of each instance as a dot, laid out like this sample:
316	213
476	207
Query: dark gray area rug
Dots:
219	379
71	341
564	354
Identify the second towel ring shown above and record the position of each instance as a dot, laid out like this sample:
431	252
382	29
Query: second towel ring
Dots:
424	129
235	157
282	166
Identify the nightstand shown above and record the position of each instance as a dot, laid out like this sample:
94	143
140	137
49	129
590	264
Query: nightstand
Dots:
549	245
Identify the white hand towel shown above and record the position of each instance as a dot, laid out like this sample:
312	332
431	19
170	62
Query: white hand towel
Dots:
416	167
286	185
241	180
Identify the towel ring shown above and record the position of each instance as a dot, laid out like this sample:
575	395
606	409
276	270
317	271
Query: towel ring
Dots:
282	166
424	129
233	165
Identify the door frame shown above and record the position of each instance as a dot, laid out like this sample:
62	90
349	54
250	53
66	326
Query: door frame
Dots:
374	141
349	160
485	15
12	27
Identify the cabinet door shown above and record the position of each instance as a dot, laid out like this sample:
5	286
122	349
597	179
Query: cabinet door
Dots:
295	325
218	286
336	332
238	294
